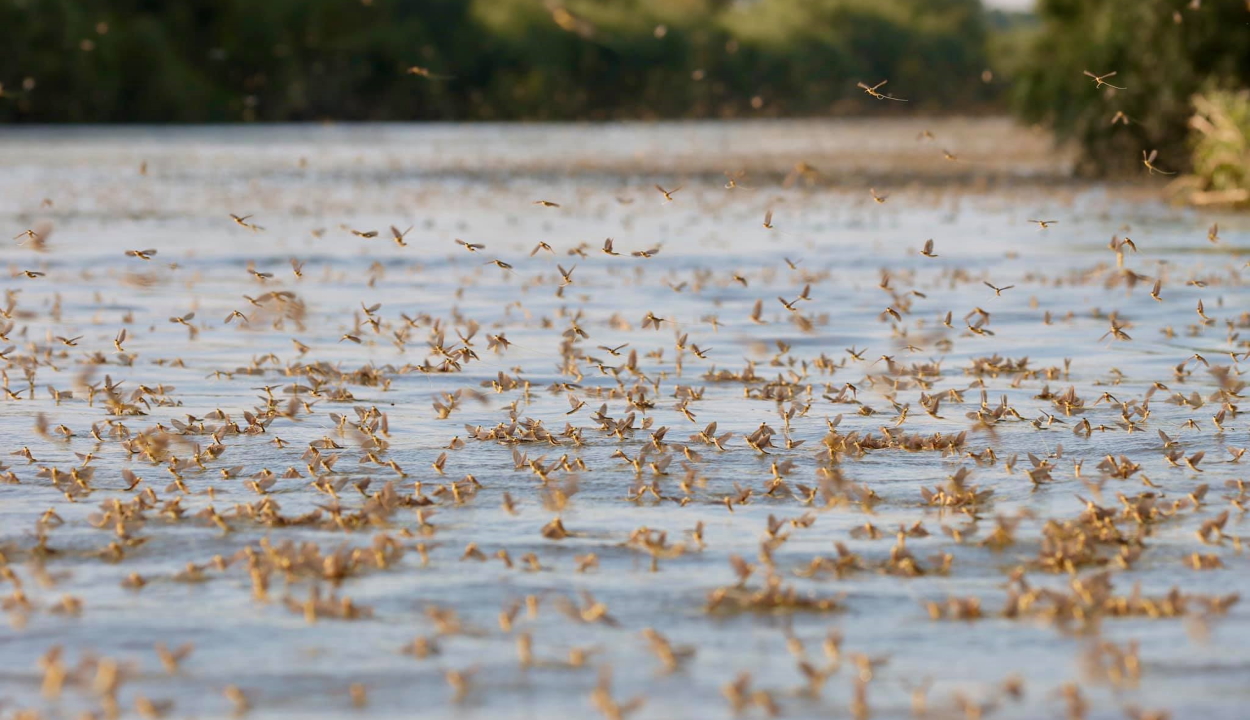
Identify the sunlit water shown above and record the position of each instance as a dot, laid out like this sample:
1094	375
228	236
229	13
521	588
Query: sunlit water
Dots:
83	191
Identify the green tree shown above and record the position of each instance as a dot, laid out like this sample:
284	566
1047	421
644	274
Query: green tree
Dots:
283	60
1163	53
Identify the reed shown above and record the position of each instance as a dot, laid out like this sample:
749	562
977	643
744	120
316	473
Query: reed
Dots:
1220	141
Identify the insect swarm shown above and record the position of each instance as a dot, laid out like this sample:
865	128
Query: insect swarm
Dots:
588	425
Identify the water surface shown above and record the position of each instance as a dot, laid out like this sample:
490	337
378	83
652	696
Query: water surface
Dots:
183	387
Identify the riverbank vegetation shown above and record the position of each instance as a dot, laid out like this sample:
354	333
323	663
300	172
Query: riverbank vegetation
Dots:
468	60
1164	53
301	60
1220	151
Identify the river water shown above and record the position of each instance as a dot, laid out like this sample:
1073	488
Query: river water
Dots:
235	526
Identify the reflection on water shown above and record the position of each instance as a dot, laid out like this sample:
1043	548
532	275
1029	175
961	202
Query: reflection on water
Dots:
373	560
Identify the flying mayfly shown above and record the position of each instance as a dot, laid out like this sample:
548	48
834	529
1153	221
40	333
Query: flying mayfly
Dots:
875	91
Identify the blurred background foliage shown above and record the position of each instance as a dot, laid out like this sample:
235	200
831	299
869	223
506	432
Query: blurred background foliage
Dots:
310	60
1165	52
1220	150
299	60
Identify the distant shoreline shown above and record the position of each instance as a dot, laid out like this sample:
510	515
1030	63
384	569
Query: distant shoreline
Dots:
837	151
